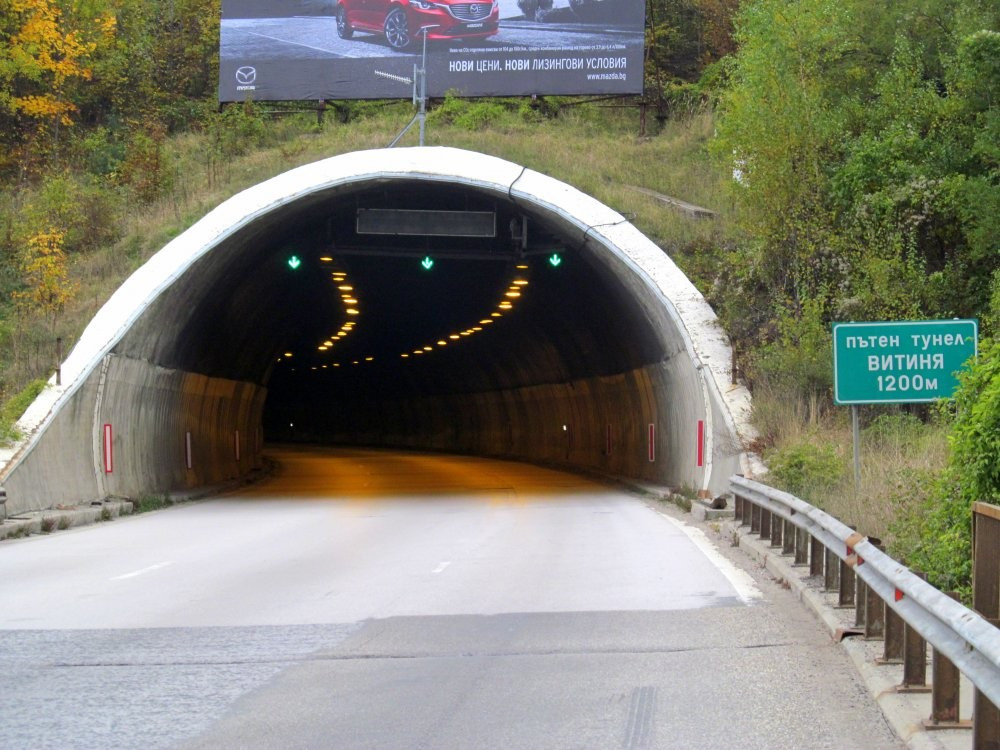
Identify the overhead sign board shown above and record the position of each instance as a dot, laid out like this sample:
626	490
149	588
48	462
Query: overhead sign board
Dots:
900	362
367	49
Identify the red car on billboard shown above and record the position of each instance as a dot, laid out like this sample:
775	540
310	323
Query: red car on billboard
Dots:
402	21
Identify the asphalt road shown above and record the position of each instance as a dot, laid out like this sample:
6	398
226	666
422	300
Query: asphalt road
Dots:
384	600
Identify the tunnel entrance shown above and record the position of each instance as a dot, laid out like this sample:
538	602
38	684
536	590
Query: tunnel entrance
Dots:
420	298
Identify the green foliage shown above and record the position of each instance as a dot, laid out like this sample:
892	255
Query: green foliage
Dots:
149	503
12	410
975	439
805	469
935	536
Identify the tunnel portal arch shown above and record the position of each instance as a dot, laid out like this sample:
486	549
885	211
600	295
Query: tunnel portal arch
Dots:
622	370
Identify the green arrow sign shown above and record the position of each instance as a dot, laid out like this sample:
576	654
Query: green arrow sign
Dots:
427	263
294	262
900	362
555	259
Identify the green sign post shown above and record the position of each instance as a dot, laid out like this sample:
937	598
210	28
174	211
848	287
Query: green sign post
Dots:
902	362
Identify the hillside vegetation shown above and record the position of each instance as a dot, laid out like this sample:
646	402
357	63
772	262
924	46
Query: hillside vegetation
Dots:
851	150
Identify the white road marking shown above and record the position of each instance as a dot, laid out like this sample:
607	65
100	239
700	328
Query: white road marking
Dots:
441	567
139	572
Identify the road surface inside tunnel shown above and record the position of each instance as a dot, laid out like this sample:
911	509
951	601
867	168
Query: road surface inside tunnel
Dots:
362	599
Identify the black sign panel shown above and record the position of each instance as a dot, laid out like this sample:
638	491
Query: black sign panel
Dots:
368	49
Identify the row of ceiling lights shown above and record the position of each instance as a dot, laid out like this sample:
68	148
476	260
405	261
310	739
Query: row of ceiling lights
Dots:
349	298
506	304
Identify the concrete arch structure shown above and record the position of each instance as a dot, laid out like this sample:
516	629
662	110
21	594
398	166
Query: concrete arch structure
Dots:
168	386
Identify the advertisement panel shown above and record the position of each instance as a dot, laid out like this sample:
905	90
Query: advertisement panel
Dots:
366	49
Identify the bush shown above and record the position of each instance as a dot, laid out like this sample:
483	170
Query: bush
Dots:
805	469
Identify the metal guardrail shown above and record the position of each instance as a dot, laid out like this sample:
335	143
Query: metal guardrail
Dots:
968	640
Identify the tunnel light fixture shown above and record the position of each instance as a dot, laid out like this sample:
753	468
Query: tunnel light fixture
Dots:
288	354
442	342
521	267
351	311
369	359
322	348
476	329
349	288
404	355
505	306
520	282
326	259
428	348
512	295
486	322
453	337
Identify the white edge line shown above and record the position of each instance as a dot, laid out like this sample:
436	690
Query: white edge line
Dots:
739	579
139	572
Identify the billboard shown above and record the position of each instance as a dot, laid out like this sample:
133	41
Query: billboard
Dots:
366	49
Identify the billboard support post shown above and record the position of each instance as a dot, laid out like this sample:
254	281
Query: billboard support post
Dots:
419	93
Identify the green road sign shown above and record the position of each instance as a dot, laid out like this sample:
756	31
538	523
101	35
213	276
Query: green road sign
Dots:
900	362
555	259
294	262
427	263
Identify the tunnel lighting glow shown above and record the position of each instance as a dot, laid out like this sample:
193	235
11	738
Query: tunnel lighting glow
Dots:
419	351
486	321
496	315
349	300
404	356
328	343
322	348
322	367
351	311
288	354
477	329
505	306
326	259
428	348
513	295
369	359
521	267
465	333
520	282
453	337
336	364
442	342
349	288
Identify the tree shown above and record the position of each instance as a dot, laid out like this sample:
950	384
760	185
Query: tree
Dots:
46	276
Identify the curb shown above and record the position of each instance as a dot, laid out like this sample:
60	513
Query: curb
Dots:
904	712
60	518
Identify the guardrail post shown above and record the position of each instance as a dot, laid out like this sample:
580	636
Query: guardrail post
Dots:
765	523
754	518
815	556
892	653
738	508
831	571
874	615
801	547
944	689
846	591
914	658
777	527
874	606
860	602
985	717
787	537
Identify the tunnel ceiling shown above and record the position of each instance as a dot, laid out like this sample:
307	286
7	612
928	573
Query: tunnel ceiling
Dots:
241	309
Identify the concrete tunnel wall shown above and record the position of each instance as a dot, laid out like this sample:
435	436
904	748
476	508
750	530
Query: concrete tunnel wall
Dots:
172	429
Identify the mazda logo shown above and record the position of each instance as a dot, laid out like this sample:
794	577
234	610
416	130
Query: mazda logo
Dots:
246	75
475	9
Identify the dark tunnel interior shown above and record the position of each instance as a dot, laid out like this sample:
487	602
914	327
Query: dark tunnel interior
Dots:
321	313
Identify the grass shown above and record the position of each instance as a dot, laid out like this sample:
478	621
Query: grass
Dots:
814	460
